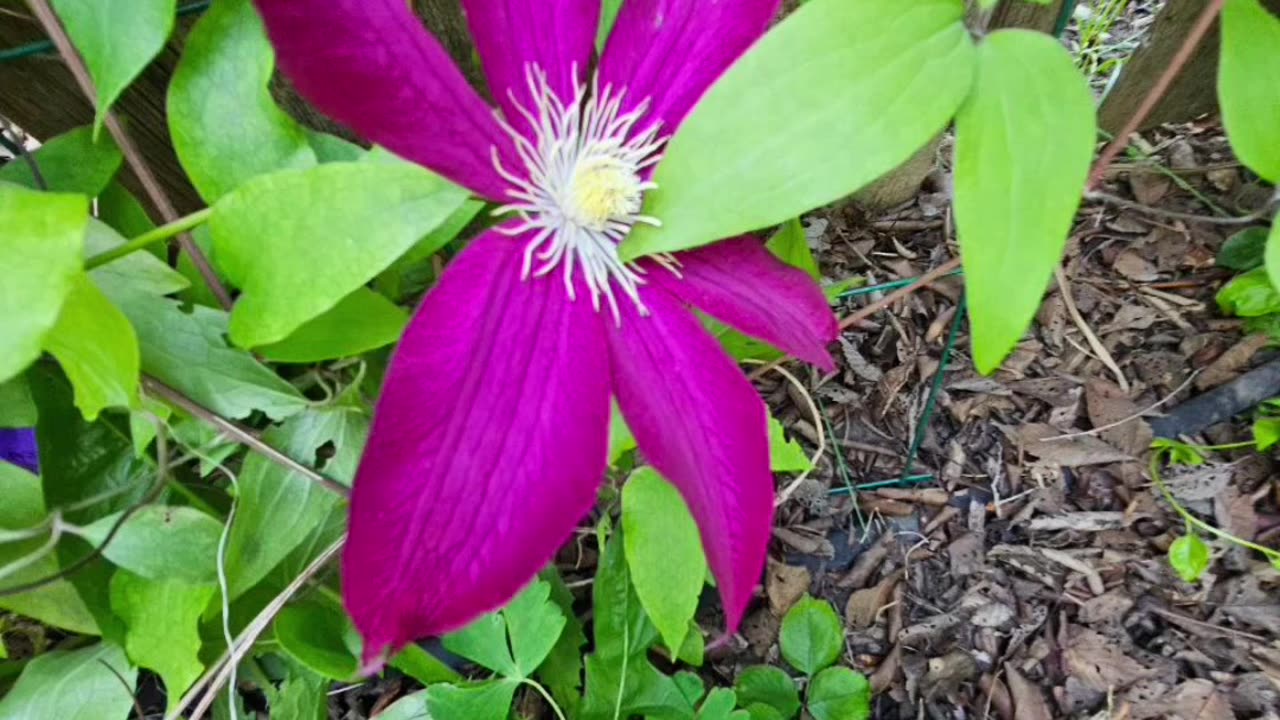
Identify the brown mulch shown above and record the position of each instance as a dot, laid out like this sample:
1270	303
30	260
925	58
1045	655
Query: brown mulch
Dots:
1028	577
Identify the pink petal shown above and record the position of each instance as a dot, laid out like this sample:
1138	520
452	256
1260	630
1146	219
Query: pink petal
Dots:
743	285
372	66
556	35
702	425
488	446
673	50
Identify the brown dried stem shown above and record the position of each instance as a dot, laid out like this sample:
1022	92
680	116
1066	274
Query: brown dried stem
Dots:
1157	92
150	185
239	434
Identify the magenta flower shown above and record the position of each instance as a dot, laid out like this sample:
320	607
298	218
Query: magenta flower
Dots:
490	439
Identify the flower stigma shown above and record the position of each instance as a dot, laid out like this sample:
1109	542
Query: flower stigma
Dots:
583	186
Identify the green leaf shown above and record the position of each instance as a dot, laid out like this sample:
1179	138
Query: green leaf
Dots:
623	634
1024	140
56	604
1245	250
162	543
1179	453
414	271
621	441
80	460
163	627
97	348
718	705
760	711
1249	295
534	622
135	272
331	148
644	691
739	346
225	125
71	162
664	553
422	666
187	352
1247	87
73	685
483	701
484	641
608	16
409	707
1273	255
312	632
360	322
812	635
791	246
17	409
118	208
86	470
763	684
117	39
1266	433
277	509
1189	557
785	455
41	241
694	649
833	97
561	672
620	625
332	229
302	696
839	693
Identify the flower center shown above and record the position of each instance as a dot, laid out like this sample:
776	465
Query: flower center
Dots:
603	188
583	187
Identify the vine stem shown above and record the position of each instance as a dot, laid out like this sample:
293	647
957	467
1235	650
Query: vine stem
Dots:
164	232
1157	92
209	685
1196	522
545	696
240	435
155	193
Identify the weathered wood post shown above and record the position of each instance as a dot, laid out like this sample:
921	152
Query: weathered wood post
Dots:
39	95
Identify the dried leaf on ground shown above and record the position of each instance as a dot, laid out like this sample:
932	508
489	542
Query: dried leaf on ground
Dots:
1195	699
1110	407
1075	451
1028	701
785	585
1231	363
1097	662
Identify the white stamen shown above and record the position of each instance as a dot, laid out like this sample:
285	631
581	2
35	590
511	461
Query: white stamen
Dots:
583	191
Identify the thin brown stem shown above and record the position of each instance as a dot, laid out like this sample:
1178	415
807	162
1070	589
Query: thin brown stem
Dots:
137	706
150	185
239	434
1157	92
1110	199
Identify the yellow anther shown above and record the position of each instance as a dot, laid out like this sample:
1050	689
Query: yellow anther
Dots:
603	188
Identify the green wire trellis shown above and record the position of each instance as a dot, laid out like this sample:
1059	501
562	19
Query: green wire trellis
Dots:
926	414
41	47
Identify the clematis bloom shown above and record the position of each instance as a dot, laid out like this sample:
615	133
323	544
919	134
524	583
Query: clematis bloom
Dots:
18	447
490	438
